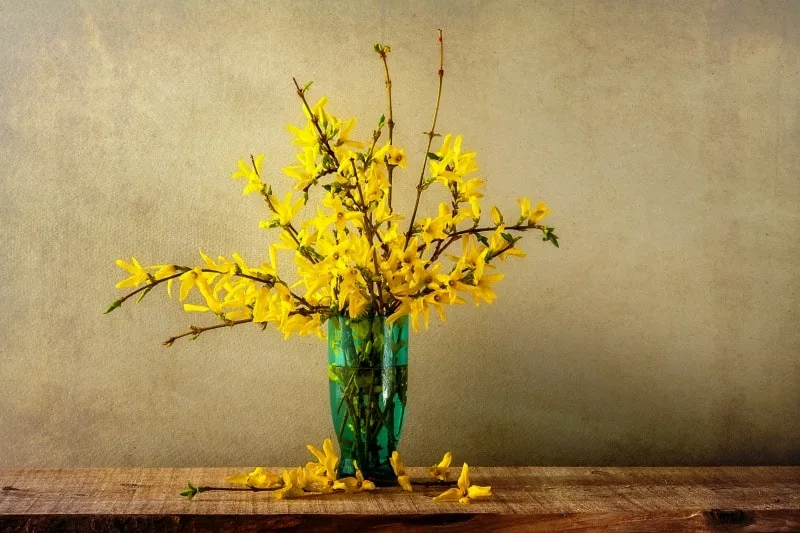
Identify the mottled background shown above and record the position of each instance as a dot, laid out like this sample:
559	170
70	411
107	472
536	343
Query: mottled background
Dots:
665	137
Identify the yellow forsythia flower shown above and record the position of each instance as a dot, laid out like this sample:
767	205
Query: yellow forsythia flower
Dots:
254	183
323	471
497	217
465	492
293	482
286	210
354	484
539	212
396	157
400	471
439	471
259	478
137	273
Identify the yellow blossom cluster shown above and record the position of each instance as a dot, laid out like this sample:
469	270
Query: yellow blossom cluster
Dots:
352	252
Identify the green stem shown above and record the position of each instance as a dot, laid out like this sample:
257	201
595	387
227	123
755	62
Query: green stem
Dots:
345	391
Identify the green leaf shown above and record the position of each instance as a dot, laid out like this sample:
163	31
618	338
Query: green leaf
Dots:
548	235
428	182
190	490
482	239
433	156
381	121
144	293
508	238
113	306
307	86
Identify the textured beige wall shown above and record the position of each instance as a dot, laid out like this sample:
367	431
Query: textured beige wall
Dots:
664	135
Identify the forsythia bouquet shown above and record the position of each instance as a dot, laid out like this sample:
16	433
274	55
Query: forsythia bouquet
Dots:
354	253
363	267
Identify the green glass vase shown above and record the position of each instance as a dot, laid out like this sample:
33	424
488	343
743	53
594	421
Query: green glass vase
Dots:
368	376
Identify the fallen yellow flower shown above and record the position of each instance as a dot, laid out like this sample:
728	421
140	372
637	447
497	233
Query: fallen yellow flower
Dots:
439	471
400	471
354	484
323	472
465	492
293	482
258	478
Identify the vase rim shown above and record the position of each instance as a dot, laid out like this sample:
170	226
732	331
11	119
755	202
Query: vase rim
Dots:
369	316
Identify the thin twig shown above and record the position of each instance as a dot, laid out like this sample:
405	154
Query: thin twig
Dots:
431	135
314	120
471	231
152	284
234	489
197	330
389	122
434	483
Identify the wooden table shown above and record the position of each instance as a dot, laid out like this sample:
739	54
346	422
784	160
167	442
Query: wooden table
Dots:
525	499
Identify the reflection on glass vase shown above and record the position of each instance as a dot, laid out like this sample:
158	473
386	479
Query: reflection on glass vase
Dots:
368	376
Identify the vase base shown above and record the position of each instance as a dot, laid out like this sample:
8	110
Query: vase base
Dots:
382	477
385	482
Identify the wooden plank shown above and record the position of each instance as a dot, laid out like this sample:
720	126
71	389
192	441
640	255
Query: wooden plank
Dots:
461	522
525	499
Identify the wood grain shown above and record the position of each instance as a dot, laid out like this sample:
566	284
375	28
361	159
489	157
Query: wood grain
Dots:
525	499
